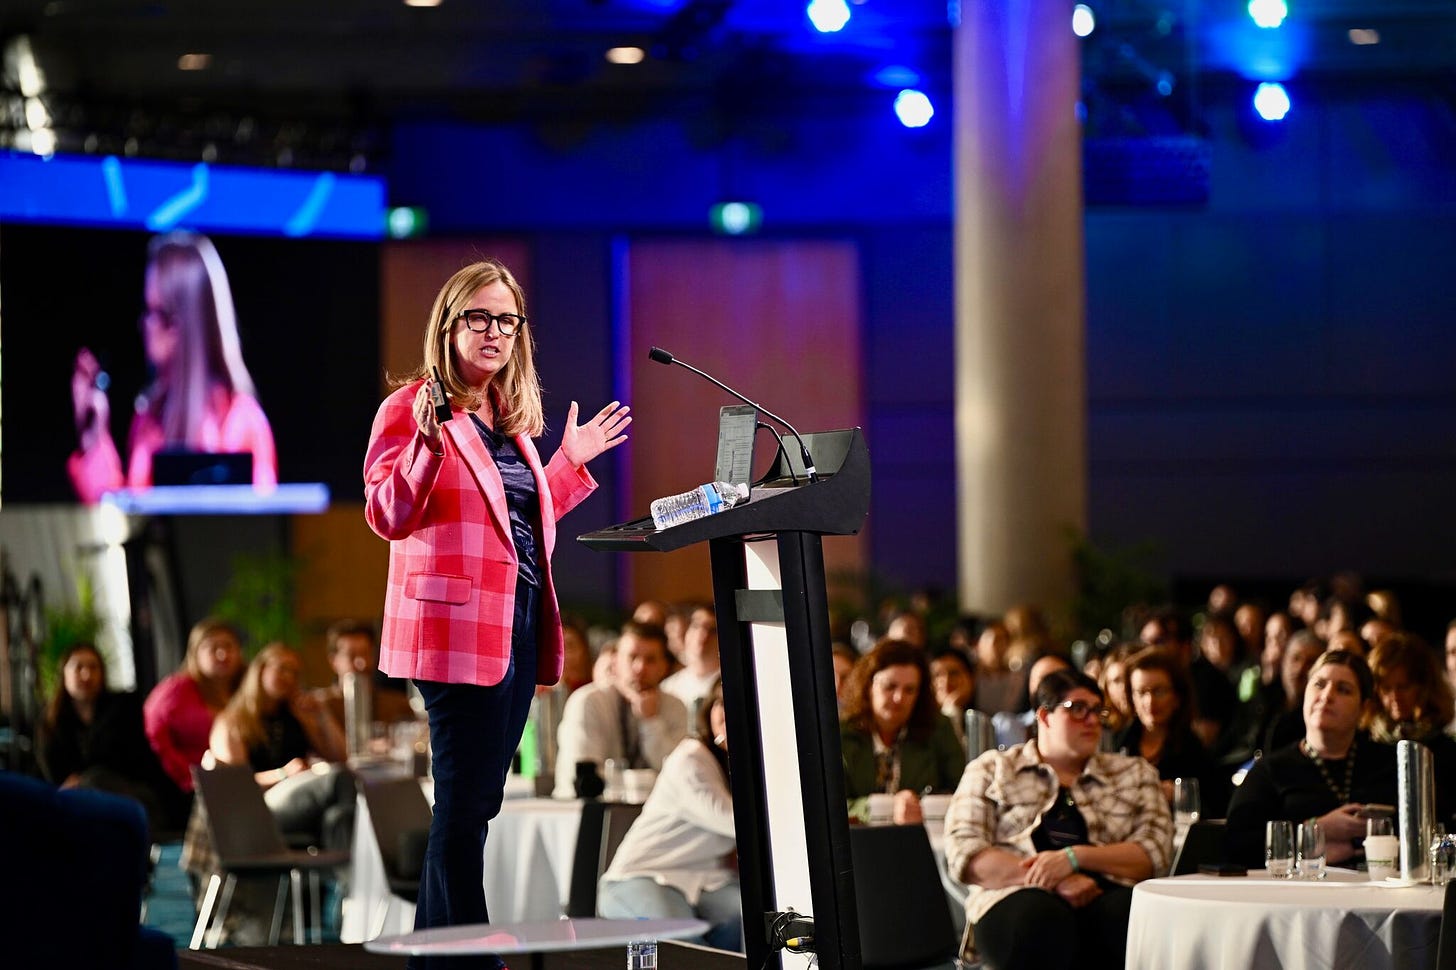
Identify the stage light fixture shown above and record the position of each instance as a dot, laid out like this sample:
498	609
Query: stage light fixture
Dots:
1268	14
1084	21
828	16
1271	101
913	108
735	218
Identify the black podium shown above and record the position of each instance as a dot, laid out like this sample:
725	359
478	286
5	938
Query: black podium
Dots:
778	687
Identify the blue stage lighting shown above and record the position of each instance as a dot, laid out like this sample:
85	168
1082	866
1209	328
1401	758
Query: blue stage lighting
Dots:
913	108
1268	13
1084	21
828	16
1271	101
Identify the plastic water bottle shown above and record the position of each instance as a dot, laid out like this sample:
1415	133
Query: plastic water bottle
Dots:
642	954
703	500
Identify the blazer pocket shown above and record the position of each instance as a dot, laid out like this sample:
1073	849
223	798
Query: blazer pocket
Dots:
438	588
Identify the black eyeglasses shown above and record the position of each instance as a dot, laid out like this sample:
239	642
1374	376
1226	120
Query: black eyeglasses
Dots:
1080	709
479	321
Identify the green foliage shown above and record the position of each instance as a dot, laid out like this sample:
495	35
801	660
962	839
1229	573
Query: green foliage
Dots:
258	600
1109	581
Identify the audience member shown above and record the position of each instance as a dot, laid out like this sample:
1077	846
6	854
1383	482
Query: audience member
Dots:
1328	775
953	680
907	625
280	732
844	659
1051	834
92	737
1162	729
1014	728
604	667
351	652
1031	635
1451	661
576	658
179	711
630	720
998	686
1286	721
677	861
1113	682
1415	704
891	736
700	659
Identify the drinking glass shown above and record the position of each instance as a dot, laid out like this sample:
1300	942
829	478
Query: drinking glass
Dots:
1443	859
1311	850
1279	849
1185	801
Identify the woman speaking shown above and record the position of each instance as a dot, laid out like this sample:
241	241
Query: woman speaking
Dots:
470	513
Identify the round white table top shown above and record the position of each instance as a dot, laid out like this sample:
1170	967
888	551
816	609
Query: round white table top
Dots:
1258	888
535	937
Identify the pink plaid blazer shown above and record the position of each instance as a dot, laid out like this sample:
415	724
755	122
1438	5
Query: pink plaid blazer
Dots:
452	562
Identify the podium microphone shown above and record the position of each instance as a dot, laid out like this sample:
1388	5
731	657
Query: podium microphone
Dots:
663	357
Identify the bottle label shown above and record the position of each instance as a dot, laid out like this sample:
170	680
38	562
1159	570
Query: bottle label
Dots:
712	498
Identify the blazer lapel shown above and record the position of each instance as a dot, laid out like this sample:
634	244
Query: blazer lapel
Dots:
482	466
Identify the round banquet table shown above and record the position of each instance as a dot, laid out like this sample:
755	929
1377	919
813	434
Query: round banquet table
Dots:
1255	922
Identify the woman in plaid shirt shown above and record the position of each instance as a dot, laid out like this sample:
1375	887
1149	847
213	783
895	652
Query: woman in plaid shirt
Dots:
1051	834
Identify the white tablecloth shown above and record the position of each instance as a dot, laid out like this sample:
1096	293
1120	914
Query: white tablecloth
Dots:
528	857
1257	923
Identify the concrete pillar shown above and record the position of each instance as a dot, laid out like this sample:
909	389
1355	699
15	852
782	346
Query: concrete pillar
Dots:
1020	304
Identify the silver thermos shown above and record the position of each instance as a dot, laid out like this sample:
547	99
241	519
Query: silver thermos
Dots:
1416	808
980	734
358	712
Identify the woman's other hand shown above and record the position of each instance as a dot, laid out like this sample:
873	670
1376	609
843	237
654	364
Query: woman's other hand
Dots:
606	430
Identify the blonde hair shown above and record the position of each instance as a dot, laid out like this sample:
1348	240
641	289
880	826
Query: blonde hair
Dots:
197	298
515	390
244	713
201	630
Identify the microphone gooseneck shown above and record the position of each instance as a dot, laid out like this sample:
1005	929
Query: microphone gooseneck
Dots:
663	357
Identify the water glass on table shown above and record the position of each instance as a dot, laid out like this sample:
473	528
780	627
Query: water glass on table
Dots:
1443	858
1311	845
1382	849
1186	804
1279	849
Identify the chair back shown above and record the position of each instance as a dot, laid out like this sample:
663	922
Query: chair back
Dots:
603	826
904	911
238	819
1203	843
400	815
1446	942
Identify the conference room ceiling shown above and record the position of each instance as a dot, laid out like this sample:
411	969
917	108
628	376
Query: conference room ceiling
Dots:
339	73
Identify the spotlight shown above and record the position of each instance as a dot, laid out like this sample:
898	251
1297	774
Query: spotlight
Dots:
828	16
1271	101
1084	21
1268	13
913	108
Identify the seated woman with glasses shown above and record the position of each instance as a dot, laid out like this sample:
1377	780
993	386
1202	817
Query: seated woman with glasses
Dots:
1051	835
1330	774
1161	731
892	738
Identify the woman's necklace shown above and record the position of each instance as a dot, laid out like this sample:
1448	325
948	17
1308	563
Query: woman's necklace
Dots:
1342	795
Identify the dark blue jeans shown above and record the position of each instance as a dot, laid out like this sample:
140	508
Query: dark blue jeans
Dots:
474	732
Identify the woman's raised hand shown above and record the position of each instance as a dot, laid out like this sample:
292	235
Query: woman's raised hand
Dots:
580	443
